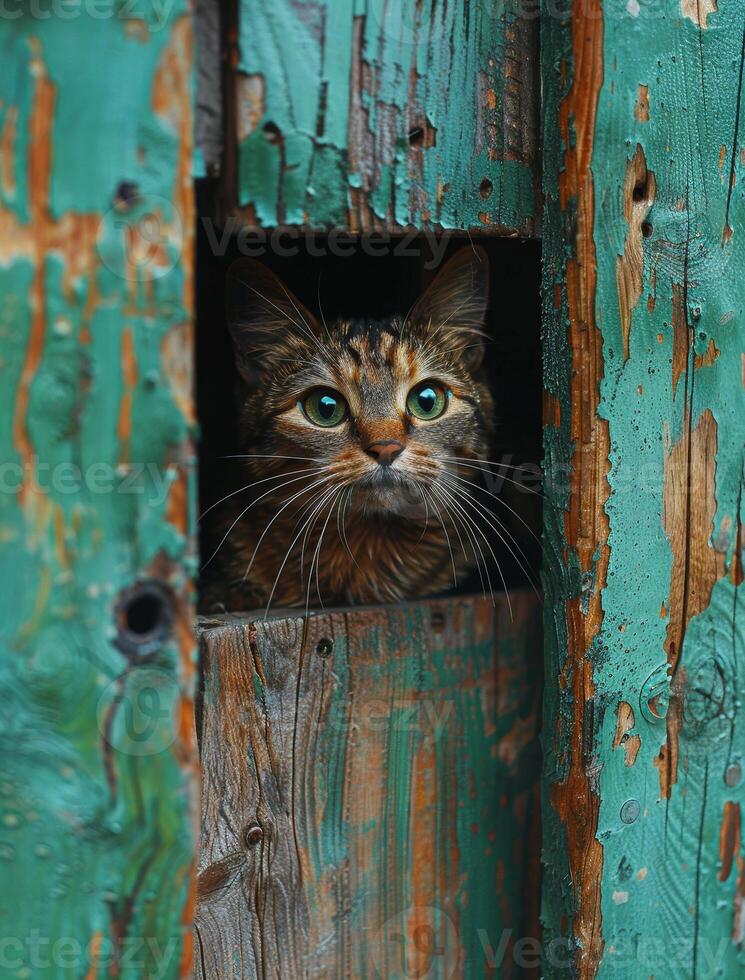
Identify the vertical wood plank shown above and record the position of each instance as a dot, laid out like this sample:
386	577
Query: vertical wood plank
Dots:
384	116
645	428
369	805
97	796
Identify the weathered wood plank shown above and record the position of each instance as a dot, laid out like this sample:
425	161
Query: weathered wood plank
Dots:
643	227
369	803
384	116
97	796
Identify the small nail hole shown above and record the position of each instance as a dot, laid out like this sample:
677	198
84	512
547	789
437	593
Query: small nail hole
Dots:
416	136
438	622
144	617
273	133
325	646
126	194
646	229
253	835
485	188
640	193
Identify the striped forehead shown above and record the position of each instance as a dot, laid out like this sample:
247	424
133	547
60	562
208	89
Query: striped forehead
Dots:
374	350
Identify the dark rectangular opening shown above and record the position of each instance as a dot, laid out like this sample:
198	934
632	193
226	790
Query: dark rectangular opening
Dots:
375	276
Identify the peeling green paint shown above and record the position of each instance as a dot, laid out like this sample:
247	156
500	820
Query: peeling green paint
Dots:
97	494
672	394
330	91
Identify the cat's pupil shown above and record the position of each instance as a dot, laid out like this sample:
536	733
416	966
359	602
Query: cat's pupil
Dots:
326	406
427	398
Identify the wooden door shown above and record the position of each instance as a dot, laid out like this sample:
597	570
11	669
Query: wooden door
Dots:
370	803
644	244
98	794
370	795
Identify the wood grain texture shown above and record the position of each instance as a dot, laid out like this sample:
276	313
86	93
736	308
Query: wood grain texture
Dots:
97	795
645	429
369	804
383	116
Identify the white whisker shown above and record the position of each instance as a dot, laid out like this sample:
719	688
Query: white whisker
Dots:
485	514
277	476
456	503
461	518
447	538
313	486
470	483
245	510
289	552
317	555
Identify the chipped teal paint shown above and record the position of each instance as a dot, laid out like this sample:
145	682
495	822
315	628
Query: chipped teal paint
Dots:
436	697
96	792
670	906
410	755
340	84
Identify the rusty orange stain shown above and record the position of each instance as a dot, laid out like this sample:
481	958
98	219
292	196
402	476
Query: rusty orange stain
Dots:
551	409
95	948
722	157
698	11
641	109
40	162
60	548
709	356
631	743
689	509
129	377
177	508
639	191
250	94
7	153
186	966
586	524
681	335
729	838
730	855
137	29
172	100
737	575
423	888
74	235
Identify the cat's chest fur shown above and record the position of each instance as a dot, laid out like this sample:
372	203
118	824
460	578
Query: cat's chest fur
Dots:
348	558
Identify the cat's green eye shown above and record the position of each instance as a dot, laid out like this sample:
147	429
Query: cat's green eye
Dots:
324	407
427	400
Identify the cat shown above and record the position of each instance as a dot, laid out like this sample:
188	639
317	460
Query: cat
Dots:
350	436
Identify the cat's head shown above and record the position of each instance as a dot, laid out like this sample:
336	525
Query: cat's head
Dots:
383	406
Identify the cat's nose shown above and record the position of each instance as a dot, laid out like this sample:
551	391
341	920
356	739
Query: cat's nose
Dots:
385	452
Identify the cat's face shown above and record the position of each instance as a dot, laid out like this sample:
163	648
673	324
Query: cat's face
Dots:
380	407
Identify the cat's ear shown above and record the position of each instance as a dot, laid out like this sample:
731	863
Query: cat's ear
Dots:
455	302
263	316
